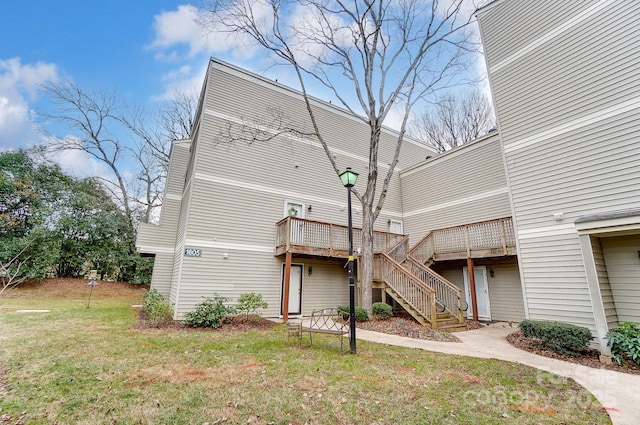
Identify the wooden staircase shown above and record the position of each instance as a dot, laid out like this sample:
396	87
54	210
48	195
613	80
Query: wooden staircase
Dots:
430	298
421	291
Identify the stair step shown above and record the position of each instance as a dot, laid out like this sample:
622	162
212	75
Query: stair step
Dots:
445	322
452	328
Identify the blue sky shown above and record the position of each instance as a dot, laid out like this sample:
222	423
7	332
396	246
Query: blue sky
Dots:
146	49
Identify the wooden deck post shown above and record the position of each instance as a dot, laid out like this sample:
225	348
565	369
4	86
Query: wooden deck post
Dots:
472	287
285	290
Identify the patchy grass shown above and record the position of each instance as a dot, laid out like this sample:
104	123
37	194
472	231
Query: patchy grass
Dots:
95	366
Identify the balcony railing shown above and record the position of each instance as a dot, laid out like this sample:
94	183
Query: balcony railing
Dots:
483	239
325	239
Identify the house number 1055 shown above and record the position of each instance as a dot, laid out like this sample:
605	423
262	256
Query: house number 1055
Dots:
190	252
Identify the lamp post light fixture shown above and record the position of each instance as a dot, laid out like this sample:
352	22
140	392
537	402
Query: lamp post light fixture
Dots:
349	179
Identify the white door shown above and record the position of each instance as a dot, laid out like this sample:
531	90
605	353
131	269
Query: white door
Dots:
395	226
295	289
482	292
295	209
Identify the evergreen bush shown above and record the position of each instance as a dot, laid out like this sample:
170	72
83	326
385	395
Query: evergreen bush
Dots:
210	313
381	310
159	312
563	338
361	313
248	303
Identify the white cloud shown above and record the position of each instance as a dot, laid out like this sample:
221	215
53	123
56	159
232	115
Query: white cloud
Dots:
19	86
79	164
182	28
184	80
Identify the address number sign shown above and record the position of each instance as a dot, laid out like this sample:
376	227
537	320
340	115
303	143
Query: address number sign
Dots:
191	252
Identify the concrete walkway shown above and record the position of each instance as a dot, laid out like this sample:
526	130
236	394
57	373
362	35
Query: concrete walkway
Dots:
619	393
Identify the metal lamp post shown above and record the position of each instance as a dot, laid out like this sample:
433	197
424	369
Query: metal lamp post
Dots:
349	179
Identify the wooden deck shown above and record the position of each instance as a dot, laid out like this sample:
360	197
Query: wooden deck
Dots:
320	239
403	273
492	238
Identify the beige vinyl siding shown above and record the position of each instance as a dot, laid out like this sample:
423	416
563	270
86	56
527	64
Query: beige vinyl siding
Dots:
603	282
497	20
253	99
568	115
177	167
567	73
462	186
179	246
236	192
231	277
328	286
555	279
162	274
505	291
580	173
623	268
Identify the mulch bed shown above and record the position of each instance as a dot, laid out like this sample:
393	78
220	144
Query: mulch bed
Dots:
588	357
407	326
238	323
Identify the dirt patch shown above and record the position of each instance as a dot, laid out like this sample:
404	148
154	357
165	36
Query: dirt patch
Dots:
70	287
588	357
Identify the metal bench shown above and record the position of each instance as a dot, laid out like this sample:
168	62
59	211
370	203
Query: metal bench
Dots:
327	321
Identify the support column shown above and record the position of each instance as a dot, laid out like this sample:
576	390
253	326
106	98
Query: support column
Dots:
287	284
472	288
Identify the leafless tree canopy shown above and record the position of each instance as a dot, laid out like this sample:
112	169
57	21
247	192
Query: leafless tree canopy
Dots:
133	145
454	120
374	56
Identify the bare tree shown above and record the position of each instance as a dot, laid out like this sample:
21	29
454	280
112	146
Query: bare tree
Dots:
173	122
454	120
102	128
92	115
372	55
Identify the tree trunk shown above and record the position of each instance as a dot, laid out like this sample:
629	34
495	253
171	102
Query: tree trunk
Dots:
366	259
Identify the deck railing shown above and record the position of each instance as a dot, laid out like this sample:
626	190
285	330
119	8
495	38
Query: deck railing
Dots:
492	234
292	231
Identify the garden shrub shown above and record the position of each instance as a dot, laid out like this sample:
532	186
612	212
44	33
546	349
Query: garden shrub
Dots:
249	303
361	313
563	338
159	312
210	313
625	342
381	310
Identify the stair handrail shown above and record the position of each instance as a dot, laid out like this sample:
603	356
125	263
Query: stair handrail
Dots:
414	292
424	250
447	294
398	252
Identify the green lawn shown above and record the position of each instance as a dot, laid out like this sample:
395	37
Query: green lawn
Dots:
94	366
